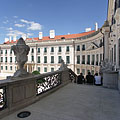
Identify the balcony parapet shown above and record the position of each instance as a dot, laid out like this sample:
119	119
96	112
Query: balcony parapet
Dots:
20	92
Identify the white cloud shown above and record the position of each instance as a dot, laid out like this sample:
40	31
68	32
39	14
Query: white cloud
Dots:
15	16
6	21
9	29
19	25
25	21
32	25
30	34
35	26
15	32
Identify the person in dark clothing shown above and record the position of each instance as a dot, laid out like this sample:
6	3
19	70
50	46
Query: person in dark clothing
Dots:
80	79
90	78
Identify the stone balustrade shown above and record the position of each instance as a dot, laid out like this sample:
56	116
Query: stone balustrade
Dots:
23	91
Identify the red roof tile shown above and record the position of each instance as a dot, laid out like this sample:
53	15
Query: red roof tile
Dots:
58	37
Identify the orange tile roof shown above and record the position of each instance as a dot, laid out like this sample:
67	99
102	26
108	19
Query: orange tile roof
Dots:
58	37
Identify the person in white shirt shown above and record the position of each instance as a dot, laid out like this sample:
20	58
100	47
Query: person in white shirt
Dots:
97	79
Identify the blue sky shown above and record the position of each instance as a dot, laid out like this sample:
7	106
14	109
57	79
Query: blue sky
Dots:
30	17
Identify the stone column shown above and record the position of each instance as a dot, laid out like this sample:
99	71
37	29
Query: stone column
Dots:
105	31
27	68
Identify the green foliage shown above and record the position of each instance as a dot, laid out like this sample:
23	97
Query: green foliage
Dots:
35	72
40	81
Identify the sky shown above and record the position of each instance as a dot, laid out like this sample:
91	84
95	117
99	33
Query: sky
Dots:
29	17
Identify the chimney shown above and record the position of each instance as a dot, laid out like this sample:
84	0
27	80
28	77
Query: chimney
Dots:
96	26
10	38
52	33
40	35
24	36
87	29
6	39
14	38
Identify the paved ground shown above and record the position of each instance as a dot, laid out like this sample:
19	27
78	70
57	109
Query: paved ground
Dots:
75	102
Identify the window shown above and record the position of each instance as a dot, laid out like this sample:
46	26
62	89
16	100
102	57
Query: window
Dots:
45	69
15	59
38	50
15	68
78	59
93	59
101	43
52	69
59	49
67	59
88	71
62	37
32	50
5	51
45	59
100	57
5	67
52	49
78	47
39	69
38	59
5	59
10	67
1	67
97	59
1	59
88	59
83	71
114	53
45	50
10	59
52	59
1	51
32	58
67	49
59	59
92	72
78	71
10	51
83	59
83	47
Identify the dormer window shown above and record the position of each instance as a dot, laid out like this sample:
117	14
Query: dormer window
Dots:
62	37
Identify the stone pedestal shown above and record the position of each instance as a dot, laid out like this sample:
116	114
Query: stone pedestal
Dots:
110	79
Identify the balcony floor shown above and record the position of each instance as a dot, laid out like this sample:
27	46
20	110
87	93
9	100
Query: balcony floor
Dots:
75	102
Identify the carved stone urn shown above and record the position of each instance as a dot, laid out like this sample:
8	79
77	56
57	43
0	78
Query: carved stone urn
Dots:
21	51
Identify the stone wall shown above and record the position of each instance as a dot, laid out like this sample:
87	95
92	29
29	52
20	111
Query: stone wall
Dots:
119	82
110	79
21	92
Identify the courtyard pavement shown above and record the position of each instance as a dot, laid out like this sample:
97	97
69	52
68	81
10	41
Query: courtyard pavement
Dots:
75	102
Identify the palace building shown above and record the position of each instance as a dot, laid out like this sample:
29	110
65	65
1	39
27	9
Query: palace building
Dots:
82	52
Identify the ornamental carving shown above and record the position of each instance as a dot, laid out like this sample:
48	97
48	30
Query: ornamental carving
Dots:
21	51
